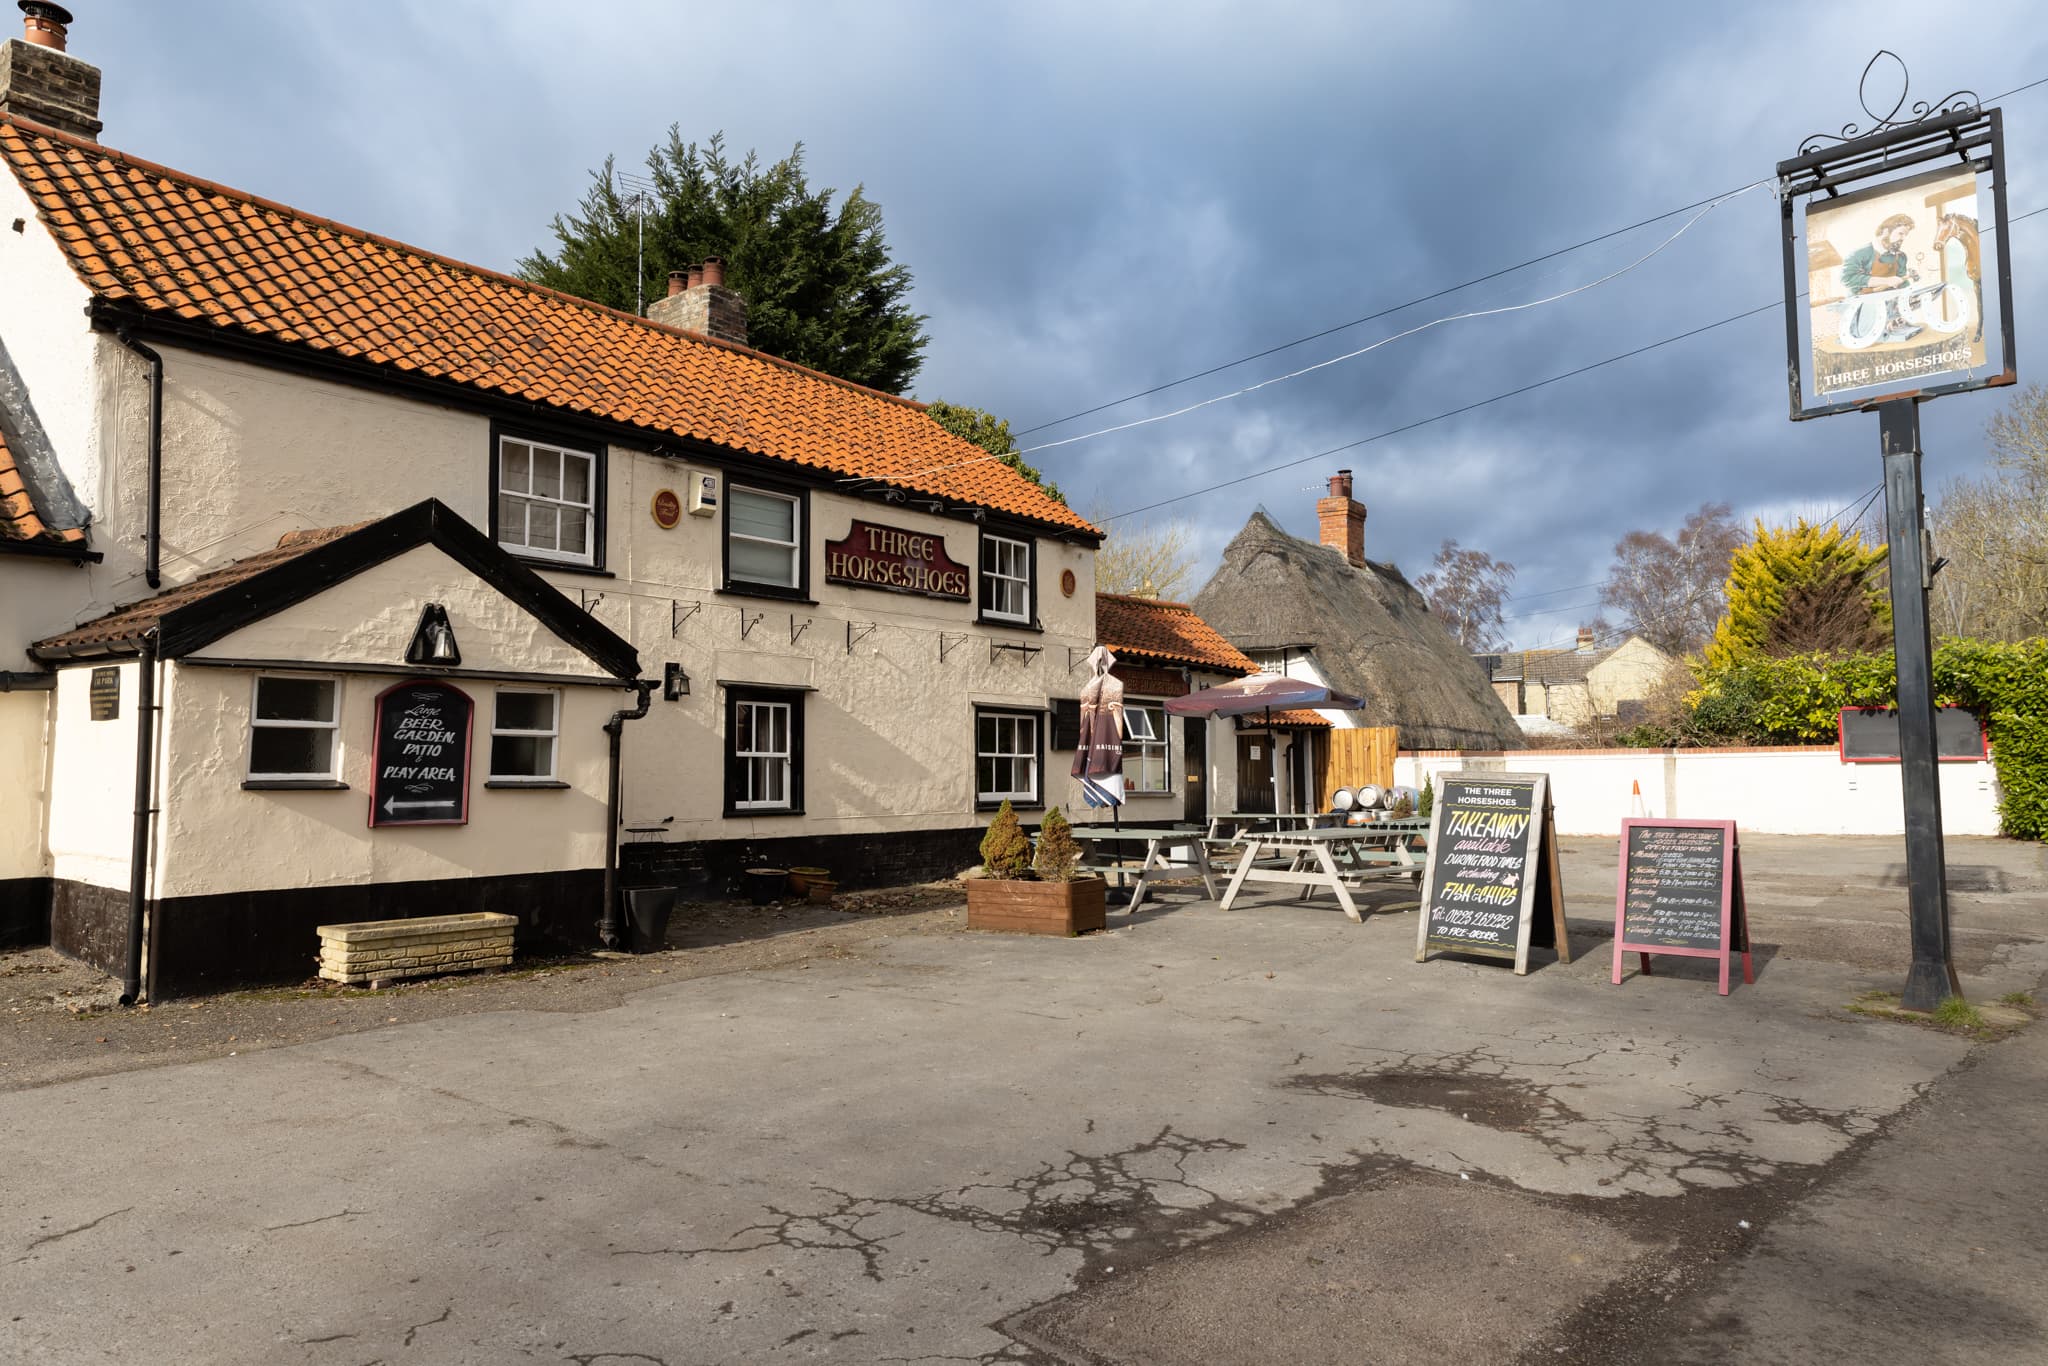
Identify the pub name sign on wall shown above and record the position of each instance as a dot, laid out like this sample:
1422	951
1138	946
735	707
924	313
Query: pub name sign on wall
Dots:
895	561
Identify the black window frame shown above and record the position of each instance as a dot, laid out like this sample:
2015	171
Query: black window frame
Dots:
600	454
794	699
801	495
981	612
1038	720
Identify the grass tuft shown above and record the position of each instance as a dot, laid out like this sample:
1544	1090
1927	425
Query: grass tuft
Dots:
1957	1014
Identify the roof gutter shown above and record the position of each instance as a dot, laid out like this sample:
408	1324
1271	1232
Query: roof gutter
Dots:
27	682
152	570
73	551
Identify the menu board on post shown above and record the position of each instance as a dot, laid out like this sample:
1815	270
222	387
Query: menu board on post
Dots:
1680	891
420	759
1492	885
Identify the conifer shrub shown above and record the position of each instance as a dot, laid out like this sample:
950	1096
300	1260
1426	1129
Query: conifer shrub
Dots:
1057	852
1005	849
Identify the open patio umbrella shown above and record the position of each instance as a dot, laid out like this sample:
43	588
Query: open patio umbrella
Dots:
1262	693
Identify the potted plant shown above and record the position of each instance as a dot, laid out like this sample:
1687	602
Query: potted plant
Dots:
1025	893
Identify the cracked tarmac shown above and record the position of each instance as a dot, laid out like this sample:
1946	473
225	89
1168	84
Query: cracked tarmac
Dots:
1201	1137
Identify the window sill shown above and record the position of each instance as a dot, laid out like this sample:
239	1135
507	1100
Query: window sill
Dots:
1005	624
559	566
766	590
541	784
1016	804
747	813
293	785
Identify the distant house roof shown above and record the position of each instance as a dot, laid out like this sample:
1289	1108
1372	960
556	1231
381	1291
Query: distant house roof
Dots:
1551	668
1169	631
306	563
1372	633
170	246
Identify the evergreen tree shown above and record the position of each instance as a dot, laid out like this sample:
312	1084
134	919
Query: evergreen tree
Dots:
1057	852
992	434
819	284
1799	589
1005	849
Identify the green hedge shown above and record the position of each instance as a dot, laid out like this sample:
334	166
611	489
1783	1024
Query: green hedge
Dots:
1796	701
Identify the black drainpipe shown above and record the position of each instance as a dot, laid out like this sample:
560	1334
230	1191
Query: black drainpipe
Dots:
138	850
153	550
608	918
26	682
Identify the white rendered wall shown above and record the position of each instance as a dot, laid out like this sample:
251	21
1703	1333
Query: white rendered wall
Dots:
92	782
1772	791
24	783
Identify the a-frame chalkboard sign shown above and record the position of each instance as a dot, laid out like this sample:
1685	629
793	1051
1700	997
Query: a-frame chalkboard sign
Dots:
1680	892
1492	886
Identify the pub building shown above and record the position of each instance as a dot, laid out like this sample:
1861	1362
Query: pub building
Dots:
285	505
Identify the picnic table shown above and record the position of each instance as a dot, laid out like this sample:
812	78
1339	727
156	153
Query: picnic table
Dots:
1158	840
1328	856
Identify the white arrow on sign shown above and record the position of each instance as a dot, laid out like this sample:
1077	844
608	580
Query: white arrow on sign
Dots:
392	806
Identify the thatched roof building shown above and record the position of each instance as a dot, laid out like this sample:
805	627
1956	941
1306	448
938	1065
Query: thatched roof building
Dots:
1325	611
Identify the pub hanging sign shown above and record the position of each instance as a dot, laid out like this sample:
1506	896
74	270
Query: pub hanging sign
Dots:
421	755
895	561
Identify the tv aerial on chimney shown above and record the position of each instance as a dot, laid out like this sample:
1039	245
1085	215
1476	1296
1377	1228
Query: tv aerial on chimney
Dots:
635	191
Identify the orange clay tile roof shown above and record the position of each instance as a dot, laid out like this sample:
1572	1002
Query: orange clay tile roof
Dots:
1164	630
158	240
125	624
19	520
1293	716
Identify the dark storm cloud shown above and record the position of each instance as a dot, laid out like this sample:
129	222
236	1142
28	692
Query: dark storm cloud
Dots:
1099	198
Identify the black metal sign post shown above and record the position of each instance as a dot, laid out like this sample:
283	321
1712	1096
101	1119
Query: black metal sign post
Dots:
1885	330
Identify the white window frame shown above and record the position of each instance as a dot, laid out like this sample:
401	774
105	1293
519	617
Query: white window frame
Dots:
332	724
553	735
1140	711
992	577
795	546
746	757
1033	752
564	507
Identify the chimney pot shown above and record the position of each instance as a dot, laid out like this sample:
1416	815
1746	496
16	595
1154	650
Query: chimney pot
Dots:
1340	484
714	270
1585	640
677	281
44	23
696	275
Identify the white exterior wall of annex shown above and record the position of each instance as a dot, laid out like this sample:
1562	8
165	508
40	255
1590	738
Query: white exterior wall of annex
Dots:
251	452
1772	791
25	767
92	784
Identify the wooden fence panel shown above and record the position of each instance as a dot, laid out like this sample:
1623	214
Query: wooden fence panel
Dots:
1360	756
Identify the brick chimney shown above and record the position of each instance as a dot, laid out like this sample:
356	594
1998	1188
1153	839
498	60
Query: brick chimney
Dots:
1340	519
42	82
699	302
1586	646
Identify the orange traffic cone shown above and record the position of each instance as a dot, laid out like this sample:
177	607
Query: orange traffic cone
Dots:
1636	807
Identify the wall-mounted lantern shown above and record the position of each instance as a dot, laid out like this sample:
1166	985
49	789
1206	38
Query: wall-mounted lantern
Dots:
674	682
433	640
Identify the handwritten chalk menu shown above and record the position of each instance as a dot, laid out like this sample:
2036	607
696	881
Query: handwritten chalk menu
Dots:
1680	891
421	755
1491	885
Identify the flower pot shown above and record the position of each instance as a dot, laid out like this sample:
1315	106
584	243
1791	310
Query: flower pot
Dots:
800	879
647	912
820	890
1022	907
766	884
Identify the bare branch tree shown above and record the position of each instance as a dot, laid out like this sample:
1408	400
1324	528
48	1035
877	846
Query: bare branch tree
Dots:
1668	589
1152	560
1994	533
1467	588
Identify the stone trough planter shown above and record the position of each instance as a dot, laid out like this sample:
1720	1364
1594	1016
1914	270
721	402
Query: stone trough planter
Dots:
386	950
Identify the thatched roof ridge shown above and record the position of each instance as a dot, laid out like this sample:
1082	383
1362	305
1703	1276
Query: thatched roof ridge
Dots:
1372	633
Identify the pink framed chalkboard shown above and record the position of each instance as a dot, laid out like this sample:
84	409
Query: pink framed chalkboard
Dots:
1680	892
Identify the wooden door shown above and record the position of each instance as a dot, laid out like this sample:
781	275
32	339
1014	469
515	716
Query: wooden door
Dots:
1255	773
1195	769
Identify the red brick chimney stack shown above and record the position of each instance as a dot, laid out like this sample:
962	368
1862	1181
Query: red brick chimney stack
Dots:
1586	645
1340	520
42	82
699	302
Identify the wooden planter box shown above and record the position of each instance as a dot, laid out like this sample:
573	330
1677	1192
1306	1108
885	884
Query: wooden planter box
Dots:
385	950
1019	907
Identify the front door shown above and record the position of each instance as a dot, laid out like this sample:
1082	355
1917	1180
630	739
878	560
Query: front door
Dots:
1195	769
1255	773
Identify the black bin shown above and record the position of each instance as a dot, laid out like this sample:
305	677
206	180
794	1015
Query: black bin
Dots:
647	911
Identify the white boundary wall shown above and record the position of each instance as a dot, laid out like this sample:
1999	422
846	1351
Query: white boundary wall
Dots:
1793	791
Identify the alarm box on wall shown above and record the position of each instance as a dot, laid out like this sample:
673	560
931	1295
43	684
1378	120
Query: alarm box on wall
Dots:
703	494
